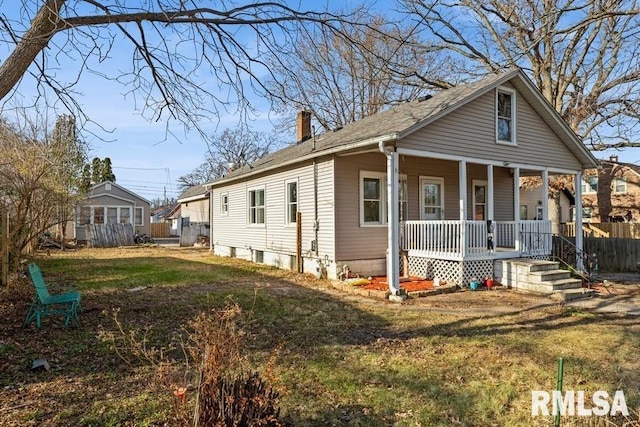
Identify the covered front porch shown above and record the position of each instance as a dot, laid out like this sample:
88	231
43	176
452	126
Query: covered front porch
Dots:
478	223
458	250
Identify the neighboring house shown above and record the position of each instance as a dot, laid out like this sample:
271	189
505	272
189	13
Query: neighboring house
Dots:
195	214
432	181
163	213
561	207
109	202
611	193
175	221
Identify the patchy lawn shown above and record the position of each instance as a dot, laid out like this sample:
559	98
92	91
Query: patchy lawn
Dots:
339	360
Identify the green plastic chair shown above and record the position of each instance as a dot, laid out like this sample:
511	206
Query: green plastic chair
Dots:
44	304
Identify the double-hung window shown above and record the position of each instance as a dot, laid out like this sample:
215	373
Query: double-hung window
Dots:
373	198
138	217
590	185
224	204
291	201
256	206
505	116
619	185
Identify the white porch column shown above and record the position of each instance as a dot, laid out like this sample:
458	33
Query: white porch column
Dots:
490	234
462	192
490	192
577	182
516	205
393	224
545	194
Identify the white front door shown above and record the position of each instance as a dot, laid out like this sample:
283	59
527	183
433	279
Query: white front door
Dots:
431	198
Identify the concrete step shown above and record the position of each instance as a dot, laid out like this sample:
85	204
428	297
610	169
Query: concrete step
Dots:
563	284
573	294
542	265
548	275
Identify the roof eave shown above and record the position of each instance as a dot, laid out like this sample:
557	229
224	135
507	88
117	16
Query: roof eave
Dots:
354	145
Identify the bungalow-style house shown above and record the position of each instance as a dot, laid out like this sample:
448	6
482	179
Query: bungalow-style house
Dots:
431	185
108	203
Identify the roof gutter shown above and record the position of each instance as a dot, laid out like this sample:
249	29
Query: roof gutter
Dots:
371	141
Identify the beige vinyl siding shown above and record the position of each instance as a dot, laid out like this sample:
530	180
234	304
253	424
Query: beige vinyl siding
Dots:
370	242
503	188
470	132
354	242
416	167
234	229
196	211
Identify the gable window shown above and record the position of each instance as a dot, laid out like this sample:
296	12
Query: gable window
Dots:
224	204
256	206
138	219
619	185
505	116
373	198
590	185
291	201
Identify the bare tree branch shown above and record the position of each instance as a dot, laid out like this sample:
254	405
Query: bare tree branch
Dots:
582	55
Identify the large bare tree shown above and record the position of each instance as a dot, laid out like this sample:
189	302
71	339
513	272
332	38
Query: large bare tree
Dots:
188	60
343	80
584	55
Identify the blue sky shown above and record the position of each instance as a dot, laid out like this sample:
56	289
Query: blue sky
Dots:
145	159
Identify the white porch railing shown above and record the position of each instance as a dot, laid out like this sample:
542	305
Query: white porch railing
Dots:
460	240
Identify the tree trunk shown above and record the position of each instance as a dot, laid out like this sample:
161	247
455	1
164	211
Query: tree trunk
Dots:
43	27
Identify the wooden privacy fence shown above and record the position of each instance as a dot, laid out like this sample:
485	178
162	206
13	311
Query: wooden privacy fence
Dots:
191	234
109	235
612	254
160	229
616	230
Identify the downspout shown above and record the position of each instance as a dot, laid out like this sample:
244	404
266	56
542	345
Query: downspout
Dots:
393	253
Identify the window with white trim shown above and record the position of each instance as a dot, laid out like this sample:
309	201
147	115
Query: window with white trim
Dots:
291	201
619	185
505	116
138	216
98	215
373	198
590	185
224	204
256	206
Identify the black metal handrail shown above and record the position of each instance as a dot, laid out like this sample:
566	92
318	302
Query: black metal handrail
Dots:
567	253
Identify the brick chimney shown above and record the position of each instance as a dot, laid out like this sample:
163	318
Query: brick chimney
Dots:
613	158
304	126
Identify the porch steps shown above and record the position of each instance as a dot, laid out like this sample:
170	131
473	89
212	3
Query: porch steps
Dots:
543	277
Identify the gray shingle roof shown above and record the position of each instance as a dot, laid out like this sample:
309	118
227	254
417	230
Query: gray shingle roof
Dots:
196	190
397	121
